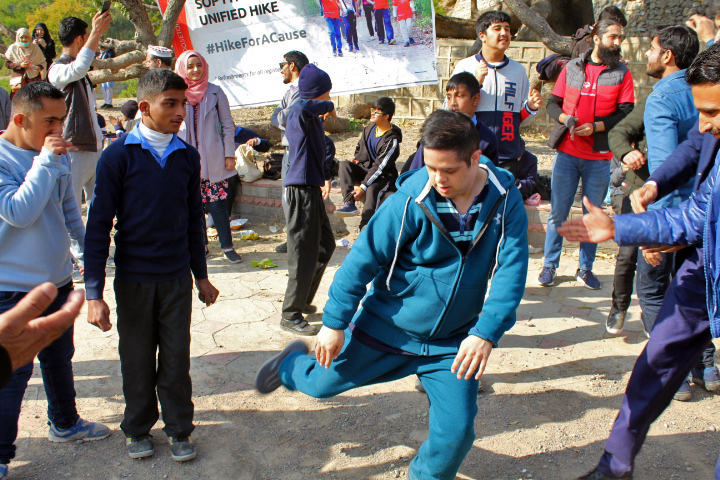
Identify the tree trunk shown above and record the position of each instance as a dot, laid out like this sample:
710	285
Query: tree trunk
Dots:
537	24
449	27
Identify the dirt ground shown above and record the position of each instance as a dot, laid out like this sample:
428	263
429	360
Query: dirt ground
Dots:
551	391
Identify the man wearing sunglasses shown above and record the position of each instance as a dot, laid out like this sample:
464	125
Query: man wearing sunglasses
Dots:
290	67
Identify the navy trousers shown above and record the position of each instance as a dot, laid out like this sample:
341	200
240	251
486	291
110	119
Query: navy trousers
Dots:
677	341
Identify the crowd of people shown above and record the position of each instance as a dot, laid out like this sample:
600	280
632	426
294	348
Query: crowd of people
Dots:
445	256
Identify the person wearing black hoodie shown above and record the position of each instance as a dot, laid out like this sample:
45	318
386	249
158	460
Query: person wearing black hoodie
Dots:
374	164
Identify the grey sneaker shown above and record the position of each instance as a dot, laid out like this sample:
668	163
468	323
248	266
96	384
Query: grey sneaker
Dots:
181	449
232	256
139	447
268	377
282	248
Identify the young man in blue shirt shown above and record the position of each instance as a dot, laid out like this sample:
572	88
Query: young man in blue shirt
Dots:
310	241
150	181
36	200
428	255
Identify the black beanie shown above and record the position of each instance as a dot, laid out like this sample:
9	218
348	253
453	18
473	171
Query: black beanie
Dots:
129	109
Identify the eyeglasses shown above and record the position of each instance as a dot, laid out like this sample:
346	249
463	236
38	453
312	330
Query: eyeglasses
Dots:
282	64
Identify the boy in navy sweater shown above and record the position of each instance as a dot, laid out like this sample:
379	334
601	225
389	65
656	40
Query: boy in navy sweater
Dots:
310	240
462	95
150	181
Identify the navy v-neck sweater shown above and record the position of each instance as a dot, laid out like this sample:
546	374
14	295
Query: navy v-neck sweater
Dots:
159	217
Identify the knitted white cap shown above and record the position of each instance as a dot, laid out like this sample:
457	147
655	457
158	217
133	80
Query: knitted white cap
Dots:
158	51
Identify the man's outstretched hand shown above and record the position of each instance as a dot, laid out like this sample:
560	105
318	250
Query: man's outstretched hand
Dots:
593	227
328	344
23	335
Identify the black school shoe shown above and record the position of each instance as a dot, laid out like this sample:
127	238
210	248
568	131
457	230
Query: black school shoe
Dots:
598	475
268	376
181	449
298	327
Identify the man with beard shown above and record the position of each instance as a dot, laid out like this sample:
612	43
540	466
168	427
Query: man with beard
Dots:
592	94
669	116
290	67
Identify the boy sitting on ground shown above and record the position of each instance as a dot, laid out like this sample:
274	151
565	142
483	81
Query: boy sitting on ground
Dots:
374	164
150	181
128	111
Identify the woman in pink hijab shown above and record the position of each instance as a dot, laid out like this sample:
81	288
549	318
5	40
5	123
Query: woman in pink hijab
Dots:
209	127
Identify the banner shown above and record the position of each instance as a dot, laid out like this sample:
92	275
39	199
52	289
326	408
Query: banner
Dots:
363	48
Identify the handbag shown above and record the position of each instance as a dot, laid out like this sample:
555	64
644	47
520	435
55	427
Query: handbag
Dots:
246	168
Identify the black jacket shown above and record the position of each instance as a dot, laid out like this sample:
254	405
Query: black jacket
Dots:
388	150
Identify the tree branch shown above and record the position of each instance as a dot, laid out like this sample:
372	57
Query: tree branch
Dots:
170	18
138	15
537	24
121	46
121	61
133	71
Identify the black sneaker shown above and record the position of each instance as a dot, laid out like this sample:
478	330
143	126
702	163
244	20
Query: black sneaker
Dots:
310	309
268	376
615	322
299	326
232	256
140	447
598	475
181	449
282	248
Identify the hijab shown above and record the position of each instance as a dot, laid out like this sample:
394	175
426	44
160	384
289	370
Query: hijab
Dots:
46	34
196	88
17	53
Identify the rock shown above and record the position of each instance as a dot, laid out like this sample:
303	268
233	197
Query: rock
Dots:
337	125
356	110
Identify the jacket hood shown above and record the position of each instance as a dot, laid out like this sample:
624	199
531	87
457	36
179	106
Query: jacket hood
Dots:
416	183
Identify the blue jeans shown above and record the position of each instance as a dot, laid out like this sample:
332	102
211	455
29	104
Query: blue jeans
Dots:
567	172
57	375
335	27
453	402
382	16
652	283
218	210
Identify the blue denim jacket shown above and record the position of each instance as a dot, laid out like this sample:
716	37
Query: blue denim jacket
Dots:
669	116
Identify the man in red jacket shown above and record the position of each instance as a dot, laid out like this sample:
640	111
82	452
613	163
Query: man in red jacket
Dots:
593	93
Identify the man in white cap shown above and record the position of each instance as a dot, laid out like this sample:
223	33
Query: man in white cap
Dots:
158	57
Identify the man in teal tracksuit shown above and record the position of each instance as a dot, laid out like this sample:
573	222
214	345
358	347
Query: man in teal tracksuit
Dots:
429	253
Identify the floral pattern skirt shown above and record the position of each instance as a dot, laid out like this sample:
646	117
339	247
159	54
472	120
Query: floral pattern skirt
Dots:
213	192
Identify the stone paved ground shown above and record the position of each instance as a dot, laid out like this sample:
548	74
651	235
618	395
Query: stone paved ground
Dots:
551	392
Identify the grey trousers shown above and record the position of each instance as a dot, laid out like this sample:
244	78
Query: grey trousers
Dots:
82	165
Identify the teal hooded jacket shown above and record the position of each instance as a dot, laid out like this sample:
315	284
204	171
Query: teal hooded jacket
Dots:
425	296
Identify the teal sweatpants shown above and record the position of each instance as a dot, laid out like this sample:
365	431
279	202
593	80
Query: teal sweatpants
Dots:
453	402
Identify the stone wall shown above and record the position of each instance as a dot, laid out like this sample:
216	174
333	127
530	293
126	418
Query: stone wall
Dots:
643	15
416	103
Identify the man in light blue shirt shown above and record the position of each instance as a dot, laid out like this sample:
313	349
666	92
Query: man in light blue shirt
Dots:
669	115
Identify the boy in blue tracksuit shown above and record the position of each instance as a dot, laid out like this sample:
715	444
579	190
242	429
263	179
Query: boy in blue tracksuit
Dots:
428	254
